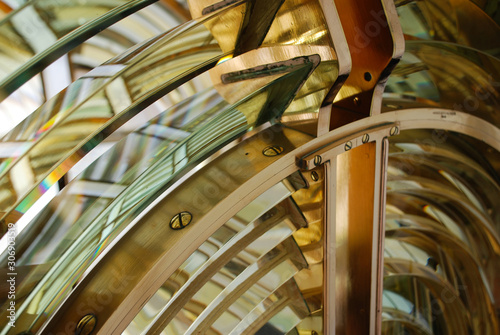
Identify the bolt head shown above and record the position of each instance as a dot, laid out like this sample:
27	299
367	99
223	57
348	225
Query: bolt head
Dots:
314	176
317	160
86	325
348	146
394	131
365	138
180	220
272	150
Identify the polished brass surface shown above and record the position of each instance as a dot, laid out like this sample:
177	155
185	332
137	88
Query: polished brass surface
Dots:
86	325
354	239
181	220
266	168
371	29
238	168
237	244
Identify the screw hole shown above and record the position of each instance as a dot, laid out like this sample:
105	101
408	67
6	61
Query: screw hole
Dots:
368	76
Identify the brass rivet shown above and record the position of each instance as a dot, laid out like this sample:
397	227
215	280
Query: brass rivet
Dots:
86	325
317	160
180	220
365	138
272	150
356	101
348	146
394	131
314	176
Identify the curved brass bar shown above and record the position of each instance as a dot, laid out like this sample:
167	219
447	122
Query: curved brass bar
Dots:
109	90
376	44
401	118
175	200
108	221
172	229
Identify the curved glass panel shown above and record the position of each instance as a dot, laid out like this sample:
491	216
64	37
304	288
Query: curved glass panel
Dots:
442	235
139	81
97	104
457	21
198	134
110	42
436	74
158	223
39	32
241	98
242	279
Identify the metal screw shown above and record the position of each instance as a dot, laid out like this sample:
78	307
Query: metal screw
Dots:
180	220
365	138
356	101
394	130
348	146
272	150
317	160
86	325
314	176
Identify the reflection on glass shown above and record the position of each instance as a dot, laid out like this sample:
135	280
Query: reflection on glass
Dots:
249	260
462	22
40	31
433	74
193	133
62	242
96	105
442	236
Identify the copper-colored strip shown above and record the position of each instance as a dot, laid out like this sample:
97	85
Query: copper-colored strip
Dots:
355	186
376	43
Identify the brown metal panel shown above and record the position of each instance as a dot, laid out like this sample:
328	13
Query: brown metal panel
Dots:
355	187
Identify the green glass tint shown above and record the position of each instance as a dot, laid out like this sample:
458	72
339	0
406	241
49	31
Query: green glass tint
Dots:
41	31
101	209
96	105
